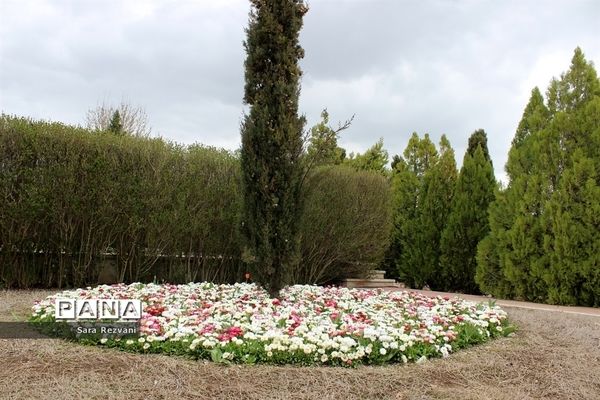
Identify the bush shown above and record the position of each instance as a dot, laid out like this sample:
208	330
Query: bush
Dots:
345	224
81	207
70	199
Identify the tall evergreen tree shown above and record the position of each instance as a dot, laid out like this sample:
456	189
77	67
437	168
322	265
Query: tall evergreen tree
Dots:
408	250
573	242
468	219
323	146
546	246
374	159
438	189
518	237
115	125
272	141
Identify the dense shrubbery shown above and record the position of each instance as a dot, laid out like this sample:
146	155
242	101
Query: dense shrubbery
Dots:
75	204
345	225
71	198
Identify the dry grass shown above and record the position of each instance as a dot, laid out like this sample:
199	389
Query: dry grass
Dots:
553	356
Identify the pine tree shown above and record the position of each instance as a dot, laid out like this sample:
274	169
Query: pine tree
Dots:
116	126
374	159
438	189
323	146
571	214
272	141
408	249
518	230
468	220
544	240
573	243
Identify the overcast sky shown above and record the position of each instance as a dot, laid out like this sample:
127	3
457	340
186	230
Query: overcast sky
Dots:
401	66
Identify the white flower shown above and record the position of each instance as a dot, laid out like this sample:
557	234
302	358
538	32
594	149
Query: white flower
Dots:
383	351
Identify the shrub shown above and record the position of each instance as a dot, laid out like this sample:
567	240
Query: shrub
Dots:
345	224
71	199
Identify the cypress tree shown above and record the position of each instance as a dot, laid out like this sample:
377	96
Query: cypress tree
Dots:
438	190
544	239
572	212
407	251
323	146
272	141
468	219
524	260
374	159
573	243
115	125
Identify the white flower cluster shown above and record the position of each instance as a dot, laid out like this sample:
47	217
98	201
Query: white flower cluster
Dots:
308	324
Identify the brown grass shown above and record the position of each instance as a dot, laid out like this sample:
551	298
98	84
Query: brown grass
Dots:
552	356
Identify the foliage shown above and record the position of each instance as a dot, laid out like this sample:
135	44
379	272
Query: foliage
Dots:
374	159
71	199
122	119
422	184
272	141
544	239
468	220
116	127
345	224
75	203
323	146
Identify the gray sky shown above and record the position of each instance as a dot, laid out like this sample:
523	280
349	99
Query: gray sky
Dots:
400	66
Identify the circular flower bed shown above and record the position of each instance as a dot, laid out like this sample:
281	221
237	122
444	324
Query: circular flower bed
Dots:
307	325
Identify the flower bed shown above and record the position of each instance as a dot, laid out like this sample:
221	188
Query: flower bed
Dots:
307	325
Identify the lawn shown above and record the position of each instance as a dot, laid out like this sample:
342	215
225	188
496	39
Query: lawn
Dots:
552	355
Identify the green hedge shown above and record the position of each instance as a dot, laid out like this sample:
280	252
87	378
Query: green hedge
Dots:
80	207
72	200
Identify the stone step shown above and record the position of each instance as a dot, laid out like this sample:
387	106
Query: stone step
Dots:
377	274
368	283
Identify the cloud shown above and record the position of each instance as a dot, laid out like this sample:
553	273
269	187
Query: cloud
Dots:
400	66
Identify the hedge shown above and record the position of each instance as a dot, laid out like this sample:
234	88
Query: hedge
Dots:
80	207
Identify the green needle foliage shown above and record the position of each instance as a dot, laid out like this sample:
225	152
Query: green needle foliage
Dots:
116	126
438	190
374	159
544	243
272	141
468	222
323	146
423	183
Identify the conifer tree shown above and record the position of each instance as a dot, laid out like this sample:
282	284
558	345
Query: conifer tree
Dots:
544	240
407	251
272	141
573	242
115	125
374	159
438	189
323	146
468	220
520	234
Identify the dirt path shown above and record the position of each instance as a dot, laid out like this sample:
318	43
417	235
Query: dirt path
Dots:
589	311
